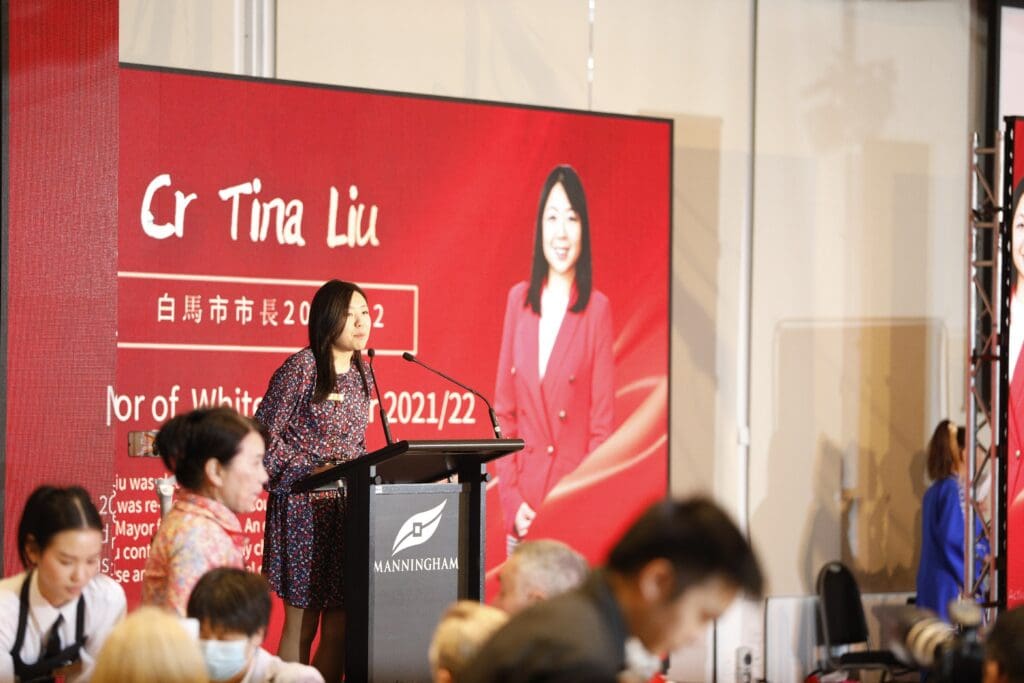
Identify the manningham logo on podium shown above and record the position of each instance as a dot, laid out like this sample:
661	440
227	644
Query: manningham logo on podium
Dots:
417	530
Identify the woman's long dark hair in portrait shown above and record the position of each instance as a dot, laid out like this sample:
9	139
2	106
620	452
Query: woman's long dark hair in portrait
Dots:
570	180
1018	194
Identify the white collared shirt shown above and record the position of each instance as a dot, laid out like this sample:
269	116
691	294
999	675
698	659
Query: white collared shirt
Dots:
640	662
1016	328
104	607
266	667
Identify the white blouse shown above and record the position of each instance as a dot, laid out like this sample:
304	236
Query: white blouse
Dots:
104	607
1016	328
552	311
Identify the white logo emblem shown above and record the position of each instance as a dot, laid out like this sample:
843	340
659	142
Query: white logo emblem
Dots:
418	529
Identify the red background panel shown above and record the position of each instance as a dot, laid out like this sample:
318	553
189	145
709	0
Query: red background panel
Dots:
1015	415
61	230
441	227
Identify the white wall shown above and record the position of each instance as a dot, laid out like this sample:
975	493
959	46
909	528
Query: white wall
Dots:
861	121
188	34
860	207
1011	61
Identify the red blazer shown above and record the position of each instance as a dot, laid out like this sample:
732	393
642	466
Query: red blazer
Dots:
1015	486
561	419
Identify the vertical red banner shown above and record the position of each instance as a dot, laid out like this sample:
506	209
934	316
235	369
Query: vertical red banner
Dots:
1014	215
60	249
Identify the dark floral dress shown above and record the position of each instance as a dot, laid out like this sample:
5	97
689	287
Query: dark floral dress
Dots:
304	533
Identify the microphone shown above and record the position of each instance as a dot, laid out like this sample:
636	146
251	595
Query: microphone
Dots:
490	409
380	404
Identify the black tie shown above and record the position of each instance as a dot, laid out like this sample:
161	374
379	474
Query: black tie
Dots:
53	640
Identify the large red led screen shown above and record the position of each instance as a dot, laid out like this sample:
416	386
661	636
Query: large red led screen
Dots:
238	198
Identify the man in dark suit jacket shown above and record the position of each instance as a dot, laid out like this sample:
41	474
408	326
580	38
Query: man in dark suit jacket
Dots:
678	568
1004	656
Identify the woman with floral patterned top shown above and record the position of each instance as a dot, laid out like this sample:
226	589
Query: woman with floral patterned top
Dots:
315	409
216	455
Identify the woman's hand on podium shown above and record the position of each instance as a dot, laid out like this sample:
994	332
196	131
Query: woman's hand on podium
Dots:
326	466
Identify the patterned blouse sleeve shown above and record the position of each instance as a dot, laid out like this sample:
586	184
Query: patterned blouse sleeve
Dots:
196	552
285	462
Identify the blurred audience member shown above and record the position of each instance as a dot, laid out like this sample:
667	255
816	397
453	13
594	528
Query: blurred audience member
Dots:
676	569
463	628
641	666
216	455
1004	648
56	614
538	570
232	607
150	646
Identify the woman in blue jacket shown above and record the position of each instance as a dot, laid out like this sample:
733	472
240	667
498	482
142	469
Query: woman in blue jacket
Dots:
940	576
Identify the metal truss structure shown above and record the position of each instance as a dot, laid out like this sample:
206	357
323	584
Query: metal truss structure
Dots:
987	311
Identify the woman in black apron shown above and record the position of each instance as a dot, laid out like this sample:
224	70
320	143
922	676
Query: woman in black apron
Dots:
55	615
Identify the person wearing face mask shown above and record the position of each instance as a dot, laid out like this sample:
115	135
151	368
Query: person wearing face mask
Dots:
232	607
55	616
315	408
554	387
216	455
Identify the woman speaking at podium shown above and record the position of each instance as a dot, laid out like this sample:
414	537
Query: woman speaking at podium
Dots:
555	386
316	409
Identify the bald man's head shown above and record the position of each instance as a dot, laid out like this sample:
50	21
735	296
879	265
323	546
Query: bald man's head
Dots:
538	570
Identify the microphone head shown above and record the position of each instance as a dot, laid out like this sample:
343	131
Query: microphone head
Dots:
408	356
371	353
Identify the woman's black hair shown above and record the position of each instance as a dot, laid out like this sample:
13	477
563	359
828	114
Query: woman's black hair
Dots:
697	537
328	313
568	178
187	441
1018	194
50	510
231	599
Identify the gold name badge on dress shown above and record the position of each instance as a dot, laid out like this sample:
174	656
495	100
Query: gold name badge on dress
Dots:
335	397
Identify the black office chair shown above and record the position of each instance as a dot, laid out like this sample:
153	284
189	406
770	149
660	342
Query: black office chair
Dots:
842	623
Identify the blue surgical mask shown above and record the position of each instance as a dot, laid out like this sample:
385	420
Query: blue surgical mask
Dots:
225	658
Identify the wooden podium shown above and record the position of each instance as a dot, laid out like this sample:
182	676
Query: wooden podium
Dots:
414	535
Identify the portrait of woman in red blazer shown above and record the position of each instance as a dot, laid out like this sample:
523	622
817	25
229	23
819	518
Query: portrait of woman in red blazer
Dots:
554	387
1015	417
